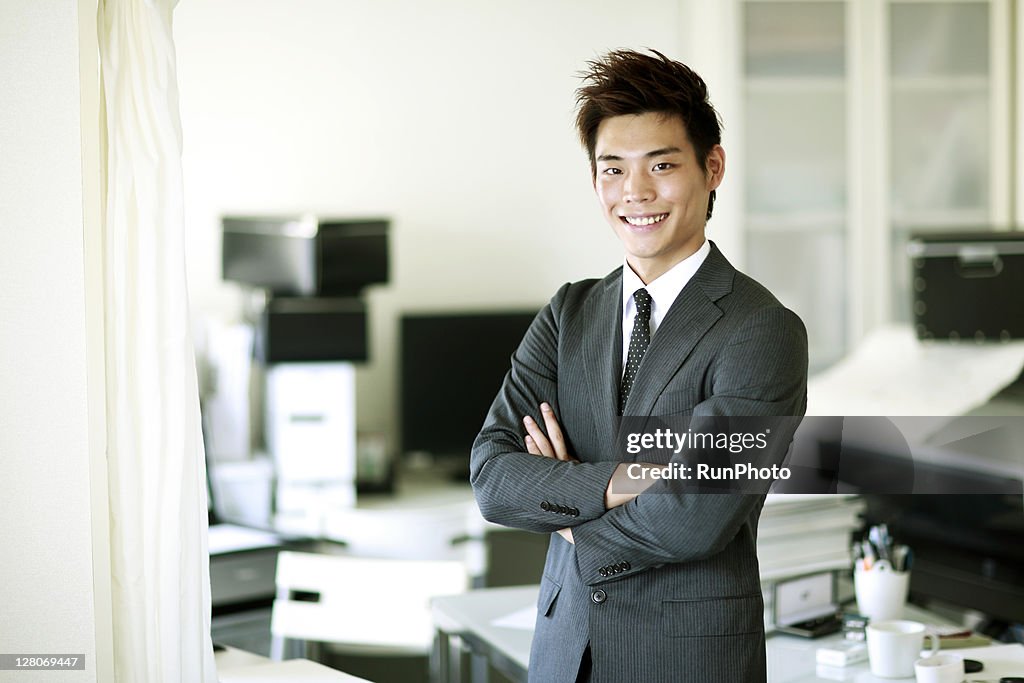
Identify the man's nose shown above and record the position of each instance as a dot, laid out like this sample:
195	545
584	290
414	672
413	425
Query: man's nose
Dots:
638	188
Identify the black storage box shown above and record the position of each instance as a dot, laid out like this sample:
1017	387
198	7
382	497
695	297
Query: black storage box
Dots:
305	255
968	285
301	329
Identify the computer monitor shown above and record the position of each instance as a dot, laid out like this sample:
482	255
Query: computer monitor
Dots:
968	548
967	538
451	367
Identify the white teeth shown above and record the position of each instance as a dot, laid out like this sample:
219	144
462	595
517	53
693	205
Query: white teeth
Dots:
645	220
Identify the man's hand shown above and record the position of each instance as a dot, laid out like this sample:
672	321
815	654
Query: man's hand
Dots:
550	445
623	483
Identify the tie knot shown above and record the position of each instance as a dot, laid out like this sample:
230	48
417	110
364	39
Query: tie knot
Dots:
643	303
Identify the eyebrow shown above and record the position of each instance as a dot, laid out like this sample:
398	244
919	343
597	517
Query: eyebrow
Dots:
654	153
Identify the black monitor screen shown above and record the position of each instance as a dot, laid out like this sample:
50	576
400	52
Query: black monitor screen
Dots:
968	548
452	366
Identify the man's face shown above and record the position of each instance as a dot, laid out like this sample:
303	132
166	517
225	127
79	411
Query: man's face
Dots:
652	189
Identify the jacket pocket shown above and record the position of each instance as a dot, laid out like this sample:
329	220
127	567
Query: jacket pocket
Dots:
726	616
678	402
548	593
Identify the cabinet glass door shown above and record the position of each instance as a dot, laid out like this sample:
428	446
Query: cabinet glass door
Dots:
796	160
940	99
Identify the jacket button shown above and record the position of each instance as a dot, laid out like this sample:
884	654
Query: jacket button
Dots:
598	596
575	512
561	509
626	565
545	506
603	571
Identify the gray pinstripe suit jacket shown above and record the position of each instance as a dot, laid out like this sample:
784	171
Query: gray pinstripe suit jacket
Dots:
684	602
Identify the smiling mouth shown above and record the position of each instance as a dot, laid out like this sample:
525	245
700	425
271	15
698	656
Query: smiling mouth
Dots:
643	221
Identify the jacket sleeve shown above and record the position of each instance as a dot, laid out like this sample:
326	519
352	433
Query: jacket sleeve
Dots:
513	487
762	371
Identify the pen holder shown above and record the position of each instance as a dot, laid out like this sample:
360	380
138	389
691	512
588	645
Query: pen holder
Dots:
881	591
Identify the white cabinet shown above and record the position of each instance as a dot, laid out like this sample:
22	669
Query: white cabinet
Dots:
949	111
864	120
796	95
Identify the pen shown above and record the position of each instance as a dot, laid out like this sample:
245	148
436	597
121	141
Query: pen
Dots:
878	536
899	558
869	554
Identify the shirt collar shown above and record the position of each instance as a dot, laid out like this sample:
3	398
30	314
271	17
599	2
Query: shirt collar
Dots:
666	287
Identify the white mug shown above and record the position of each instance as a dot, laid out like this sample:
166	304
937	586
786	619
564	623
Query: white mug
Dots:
894	647
944	668
881	591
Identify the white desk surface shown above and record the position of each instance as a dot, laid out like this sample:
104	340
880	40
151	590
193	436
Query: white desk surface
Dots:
238	666
790	659
474	611
228	538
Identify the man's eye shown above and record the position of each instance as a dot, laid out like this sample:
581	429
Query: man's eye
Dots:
663	166
611	171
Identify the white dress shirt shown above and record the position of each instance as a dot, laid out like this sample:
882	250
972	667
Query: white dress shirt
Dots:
663	291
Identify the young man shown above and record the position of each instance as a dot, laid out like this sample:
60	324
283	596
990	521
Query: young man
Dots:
656	586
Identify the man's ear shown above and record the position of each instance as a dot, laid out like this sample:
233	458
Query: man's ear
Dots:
715	165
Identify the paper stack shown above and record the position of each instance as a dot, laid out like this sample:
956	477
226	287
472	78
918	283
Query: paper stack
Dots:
803	534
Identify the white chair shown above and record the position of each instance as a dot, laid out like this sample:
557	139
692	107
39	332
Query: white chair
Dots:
364	606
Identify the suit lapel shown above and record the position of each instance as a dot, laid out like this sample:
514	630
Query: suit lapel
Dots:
691	316
602	351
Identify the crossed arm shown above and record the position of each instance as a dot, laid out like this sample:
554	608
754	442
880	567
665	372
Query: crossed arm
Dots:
552	445
536	484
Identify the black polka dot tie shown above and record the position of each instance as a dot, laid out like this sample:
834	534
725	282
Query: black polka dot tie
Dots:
639	340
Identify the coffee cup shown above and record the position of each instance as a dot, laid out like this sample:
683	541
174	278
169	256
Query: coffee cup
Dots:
895	646
943	668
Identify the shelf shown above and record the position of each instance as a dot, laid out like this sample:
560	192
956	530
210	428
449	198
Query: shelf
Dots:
941	84
804	221
937	2
789	84
941	218
864	122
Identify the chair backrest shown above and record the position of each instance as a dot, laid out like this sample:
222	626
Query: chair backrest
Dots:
362	602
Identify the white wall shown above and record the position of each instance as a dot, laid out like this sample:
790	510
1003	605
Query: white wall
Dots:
451	117
46	571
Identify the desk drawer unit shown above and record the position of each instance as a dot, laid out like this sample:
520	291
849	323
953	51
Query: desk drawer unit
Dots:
244	577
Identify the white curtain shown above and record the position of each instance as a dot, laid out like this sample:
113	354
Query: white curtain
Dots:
159	556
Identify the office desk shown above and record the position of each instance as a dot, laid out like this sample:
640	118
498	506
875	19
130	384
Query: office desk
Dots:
468	618
791	660
426	518
238	666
